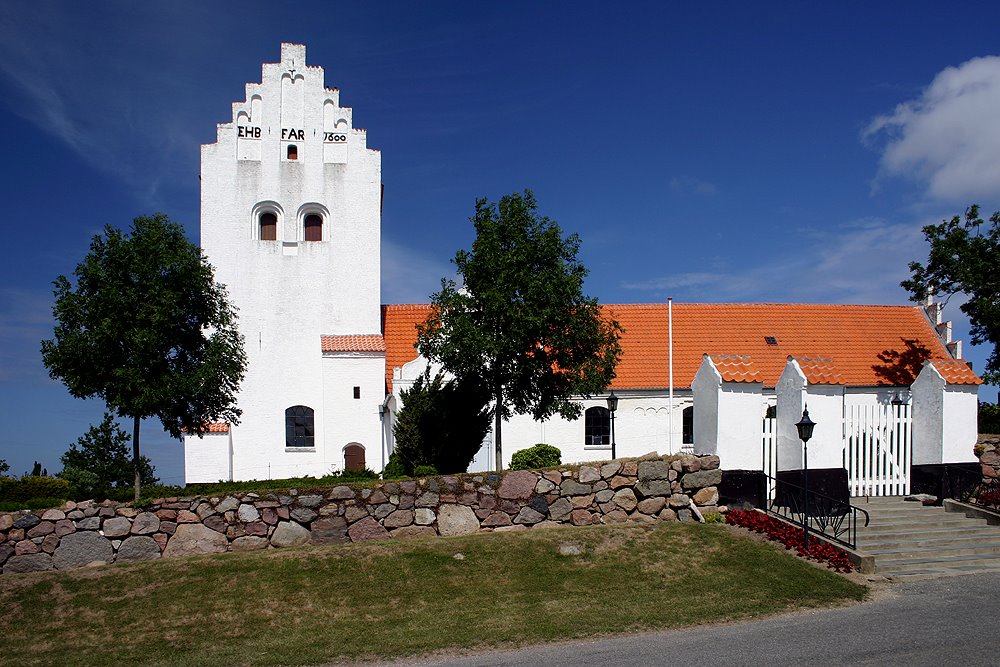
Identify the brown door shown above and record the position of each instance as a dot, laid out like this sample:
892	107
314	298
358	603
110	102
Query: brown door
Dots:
354	457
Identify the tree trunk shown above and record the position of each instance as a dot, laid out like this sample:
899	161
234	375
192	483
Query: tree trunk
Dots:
497	419
135	458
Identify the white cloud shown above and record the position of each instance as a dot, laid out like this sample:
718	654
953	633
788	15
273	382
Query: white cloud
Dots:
861	262
948	137
409	276
689	185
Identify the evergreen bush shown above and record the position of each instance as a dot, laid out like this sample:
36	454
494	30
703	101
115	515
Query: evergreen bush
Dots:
536	456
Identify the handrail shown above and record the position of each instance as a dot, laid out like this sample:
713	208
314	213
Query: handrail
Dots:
834	519
970	486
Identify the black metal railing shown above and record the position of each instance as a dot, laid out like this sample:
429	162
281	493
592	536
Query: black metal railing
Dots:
832	518
969	486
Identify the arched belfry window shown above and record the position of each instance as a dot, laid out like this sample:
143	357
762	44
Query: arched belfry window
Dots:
299	427
268	226
597	427
293	152
314	227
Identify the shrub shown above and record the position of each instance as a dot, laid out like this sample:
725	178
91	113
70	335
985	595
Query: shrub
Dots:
989	418
43	503
536	456
441	424
714	517
424	471
26	488
394	469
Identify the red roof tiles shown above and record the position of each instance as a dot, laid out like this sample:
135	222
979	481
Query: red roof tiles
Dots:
851	336
956	372
820	371
217	427
736	368
353	343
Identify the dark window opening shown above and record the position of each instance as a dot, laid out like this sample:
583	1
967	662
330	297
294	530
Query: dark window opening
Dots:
354	457
299	430
687	429
268	227
357	392
314	227
770	340
597	426
293	152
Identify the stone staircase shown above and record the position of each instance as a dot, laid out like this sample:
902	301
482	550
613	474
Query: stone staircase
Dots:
911	541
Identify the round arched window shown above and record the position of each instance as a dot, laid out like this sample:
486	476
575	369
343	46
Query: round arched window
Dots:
314	227
268	227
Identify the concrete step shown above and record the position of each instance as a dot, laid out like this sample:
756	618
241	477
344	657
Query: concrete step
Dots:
942	570
868	535
915	564
938	540
930	523
941	552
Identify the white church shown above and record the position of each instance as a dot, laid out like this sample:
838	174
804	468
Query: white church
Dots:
291	220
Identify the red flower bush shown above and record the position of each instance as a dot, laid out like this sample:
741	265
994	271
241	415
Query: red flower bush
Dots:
792	537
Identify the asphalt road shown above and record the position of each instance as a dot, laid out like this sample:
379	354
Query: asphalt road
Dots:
946	621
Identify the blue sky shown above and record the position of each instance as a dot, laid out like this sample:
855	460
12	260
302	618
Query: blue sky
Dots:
785	151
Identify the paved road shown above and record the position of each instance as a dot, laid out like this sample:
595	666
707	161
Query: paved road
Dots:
946	621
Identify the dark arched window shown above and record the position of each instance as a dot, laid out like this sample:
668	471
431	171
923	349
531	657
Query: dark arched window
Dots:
687	418
314	227
299	431
293	152
354	457
268	227
597	426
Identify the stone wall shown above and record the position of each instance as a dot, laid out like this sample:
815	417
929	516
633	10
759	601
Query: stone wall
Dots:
988	451
646	490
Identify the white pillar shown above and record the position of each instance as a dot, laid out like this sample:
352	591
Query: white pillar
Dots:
944	418
727	418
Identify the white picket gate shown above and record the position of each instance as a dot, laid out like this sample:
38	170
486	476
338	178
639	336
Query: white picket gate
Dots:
878	449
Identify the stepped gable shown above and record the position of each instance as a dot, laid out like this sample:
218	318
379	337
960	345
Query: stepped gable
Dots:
736	368
852	336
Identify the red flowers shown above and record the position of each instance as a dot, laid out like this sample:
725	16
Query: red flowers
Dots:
792	537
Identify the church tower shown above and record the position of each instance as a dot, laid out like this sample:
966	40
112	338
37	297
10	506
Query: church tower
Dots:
290	219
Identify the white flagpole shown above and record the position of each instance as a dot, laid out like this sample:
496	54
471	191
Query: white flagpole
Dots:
670	364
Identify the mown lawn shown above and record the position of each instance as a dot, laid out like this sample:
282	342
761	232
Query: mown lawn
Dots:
398	598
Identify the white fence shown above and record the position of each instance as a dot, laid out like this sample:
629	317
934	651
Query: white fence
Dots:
877	454
878	449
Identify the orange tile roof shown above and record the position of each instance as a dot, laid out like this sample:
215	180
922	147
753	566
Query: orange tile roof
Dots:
353	343
399	327
820	371
218	427
956	372
851	336
736	368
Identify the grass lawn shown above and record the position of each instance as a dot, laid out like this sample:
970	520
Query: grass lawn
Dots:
397	598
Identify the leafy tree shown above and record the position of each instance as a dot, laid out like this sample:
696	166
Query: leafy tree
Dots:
964	259
521	324
148	330
100	460
442	424
4	467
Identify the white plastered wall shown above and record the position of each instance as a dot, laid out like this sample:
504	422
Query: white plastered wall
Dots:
727	418
208	458
289	292
945	426
826	409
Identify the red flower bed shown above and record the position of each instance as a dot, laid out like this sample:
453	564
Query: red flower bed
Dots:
792	537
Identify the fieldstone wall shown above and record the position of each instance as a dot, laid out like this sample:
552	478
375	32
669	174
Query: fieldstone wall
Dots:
988	451
649	489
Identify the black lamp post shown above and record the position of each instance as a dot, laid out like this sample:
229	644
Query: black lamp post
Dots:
805	428
612	407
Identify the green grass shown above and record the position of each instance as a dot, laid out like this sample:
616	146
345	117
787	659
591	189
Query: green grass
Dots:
399	598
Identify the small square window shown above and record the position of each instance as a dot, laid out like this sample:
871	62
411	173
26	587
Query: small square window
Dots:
770	340
357	392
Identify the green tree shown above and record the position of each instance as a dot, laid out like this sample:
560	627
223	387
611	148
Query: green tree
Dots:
148	330
964	259
520	323
4	467
441	424
100	460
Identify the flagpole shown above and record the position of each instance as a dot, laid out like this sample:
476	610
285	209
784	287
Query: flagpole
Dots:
670	381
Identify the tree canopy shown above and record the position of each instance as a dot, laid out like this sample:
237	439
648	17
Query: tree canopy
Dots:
99	460
147	329
520	323
441	424
964	259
